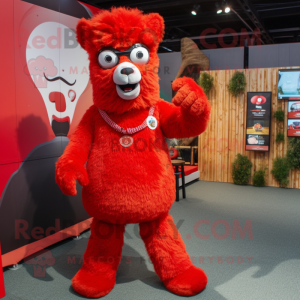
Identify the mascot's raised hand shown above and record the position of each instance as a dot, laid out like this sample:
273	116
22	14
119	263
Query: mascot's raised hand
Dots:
119	154
189	96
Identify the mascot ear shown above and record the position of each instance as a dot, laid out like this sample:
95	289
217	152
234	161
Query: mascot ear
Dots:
155	23
83	29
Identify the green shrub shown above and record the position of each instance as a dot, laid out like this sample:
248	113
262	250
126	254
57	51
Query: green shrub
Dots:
293	153
237	84
281	170
279	137
259	177
206	81
280	90
241	169
279	115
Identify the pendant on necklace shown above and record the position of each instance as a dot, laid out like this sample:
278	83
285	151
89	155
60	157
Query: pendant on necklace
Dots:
151	122
126	141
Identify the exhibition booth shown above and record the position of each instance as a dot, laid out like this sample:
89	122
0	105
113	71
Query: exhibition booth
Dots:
252	138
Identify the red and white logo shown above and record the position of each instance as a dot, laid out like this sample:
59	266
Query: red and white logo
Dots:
258	100
126	141
58	67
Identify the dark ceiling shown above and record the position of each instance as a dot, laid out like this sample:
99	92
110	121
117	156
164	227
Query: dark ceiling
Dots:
277	21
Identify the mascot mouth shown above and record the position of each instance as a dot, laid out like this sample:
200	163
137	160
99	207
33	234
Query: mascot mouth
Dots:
127	88
128	91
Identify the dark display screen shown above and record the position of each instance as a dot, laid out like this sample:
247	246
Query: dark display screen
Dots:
258	121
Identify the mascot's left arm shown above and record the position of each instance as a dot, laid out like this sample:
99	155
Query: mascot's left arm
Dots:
189	113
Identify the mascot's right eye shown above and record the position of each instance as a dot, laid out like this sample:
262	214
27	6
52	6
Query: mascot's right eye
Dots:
107	59
139	56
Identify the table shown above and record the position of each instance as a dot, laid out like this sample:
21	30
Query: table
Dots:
179	163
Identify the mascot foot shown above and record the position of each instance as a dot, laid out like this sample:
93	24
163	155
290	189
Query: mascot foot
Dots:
92	285
189	283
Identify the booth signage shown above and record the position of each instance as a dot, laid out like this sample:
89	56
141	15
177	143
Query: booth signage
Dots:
289	84
258	121
293	119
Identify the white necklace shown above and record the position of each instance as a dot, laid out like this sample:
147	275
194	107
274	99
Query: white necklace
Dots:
126	140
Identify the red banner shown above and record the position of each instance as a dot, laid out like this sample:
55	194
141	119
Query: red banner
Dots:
294	115
257	148
294	132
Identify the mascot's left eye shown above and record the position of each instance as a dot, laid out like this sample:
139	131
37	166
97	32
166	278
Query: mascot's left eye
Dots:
139	56
107	59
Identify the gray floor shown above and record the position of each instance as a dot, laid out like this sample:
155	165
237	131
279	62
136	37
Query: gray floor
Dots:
273	272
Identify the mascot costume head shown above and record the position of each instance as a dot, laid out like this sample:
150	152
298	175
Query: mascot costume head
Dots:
119	155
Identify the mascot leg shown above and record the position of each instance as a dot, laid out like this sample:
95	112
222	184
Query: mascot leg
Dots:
97	276
170	259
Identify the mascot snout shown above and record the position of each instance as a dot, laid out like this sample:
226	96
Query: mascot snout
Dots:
127	77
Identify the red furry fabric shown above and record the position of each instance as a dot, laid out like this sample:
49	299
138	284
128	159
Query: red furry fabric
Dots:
191	282
191	110
97	276
120	28
134	184
165	247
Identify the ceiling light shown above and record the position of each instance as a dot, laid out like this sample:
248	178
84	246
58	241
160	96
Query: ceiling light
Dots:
195	9
218	8
227	9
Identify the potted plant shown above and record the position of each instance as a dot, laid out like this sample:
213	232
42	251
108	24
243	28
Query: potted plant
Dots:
293	153
237	84
281	170
206	81
241	169
279	115
279	137
259	177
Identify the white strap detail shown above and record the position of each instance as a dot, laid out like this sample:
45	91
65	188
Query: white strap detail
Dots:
117	128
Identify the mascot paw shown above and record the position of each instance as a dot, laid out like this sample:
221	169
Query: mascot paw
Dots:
66	175
189	283
91	285
189	96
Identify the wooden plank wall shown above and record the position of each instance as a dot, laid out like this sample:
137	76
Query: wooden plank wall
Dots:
226	132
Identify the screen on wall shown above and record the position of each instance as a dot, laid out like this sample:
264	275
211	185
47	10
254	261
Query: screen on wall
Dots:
258	121
289	84
293	118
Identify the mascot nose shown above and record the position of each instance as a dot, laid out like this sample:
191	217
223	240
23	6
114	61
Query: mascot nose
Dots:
127	71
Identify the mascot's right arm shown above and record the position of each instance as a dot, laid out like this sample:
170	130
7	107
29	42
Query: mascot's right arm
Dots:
189	114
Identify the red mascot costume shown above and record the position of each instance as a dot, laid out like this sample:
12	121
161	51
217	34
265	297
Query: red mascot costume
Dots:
119	155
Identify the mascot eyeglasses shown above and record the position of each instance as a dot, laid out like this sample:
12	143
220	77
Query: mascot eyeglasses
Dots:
109	57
